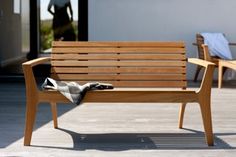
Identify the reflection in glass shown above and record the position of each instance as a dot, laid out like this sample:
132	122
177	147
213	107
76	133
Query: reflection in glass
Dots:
62	23
58	21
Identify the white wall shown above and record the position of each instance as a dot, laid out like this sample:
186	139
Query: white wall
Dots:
164	20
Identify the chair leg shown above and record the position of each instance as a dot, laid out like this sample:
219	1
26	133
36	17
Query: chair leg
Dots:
207	121
181	115
197	73
220	76
54	114
31	109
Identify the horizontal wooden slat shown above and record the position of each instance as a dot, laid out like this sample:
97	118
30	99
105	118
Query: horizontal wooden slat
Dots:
149	83
121	56
139	70
140	96
169	84
127	95
95	77
117	63
175	50
117	44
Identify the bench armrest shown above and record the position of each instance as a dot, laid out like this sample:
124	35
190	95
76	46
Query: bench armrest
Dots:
30	82
35	62
207	79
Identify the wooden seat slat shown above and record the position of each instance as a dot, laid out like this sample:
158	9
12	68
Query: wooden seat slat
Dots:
141	84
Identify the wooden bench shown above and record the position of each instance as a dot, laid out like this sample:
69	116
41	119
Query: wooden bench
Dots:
136	69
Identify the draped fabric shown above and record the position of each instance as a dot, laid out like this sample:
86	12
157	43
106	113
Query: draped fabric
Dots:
73	90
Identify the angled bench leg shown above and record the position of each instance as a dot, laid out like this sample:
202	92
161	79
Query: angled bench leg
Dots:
31	109
207	122
54	114
181	115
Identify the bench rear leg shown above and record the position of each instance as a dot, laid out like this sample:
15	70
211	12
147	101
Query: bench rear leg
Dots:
207	122
181	115
54	114
31	109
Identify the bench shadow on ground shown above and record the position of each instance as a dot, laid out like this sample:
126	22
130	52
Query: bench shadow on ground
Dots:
142	141
12	114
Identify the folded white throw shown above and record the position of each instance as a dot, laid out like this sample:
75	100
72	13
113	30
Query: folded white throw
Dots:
218	45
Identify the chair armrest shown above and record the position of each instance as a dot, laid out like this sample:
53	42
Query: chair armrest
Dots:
200	62
205	88
195	44
232	44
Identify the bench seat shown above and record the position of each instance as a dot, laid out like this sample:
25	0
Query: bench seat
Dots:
127	95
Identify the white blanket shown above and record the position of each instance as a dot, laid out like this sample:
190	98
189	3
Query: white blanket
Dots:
218	45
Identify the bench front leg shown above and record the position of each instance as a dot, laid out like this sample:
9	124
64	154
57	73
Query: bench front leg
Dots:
204	98
205	106
31	109
31	96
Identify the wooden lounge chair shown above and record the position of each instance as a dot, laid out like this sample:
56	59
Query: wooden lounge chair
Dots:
222	64
206	56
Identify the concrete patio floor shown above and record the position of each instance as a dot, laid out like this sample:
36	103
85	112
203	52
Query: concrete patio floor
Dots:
129	130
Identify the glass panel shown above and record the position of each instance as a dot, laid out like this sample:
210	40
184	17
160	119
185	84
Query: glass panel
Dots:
25	26
58	21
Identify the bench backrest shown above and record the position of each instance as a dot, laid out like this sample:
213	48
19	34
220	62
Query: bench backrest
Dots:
123	64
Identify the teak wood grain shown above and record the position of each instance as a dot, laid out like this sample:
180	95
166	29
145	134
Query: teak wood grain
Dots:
221	63
224	64
143	67
203	53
